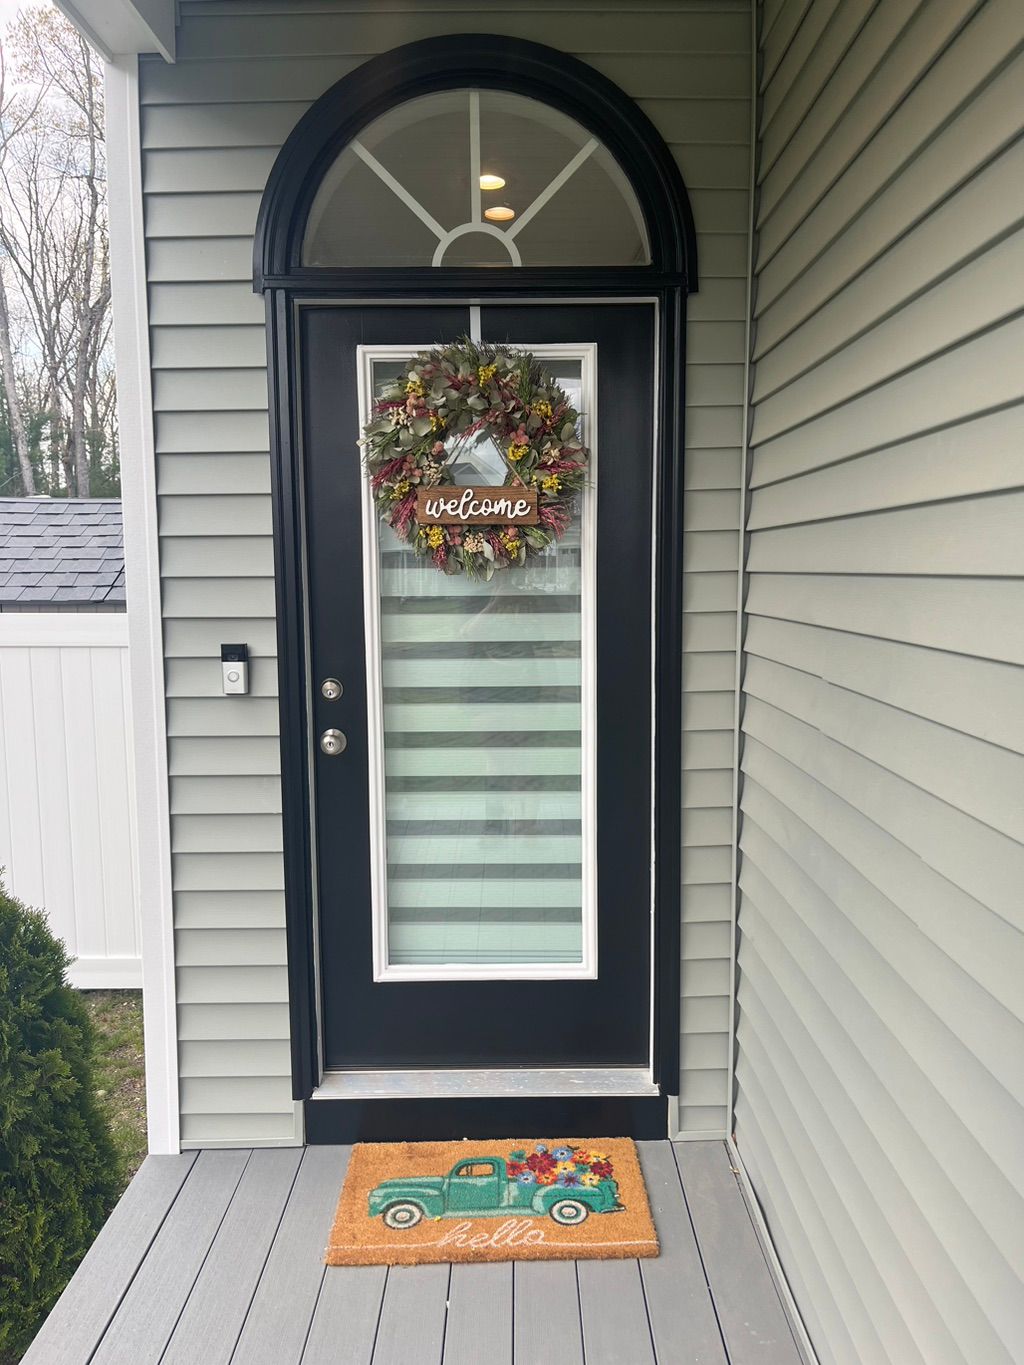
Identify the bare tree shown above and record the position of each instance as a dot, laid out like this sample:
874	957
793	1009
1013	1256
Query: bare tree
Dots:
53	240
14	115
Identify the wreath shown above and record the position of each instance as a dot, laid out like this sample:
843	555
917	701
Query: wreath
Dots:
448	398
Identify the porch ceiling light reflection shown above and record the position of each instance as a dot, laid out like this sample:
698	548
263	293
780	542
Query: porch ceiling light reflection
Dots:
499	213
492	182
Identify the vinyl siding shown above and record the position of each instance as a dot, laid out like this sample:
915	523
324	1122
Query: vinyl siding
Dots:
211	127
880	1044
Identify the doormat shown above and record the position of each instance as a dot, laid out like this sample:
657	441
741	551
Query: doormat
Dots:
410	1203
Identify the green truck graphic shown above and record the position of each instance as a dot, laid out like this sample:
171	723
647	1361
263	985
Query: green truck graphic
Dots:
485	1187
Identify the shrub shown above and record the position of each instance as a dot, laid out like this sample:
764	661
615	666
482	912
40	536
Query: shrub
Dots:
57	1161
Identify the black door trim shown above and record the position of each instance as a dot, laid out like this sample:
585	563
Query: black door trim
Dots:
587	96
483	61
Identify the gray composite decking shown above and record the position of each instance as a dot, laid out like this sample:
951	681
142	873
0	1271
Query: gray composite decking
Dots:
215	1257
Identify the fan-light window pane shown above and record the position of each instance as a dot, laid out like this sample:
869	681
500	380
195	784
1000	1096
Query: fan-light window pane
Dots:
407	191
483	749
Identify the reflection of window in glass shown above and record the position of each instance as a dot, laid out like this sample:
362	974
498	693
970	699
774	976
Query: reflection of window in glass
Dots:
475	178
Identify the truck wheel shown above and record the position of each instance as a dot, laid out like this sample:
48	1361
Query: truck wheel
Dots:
568	1213
402	1216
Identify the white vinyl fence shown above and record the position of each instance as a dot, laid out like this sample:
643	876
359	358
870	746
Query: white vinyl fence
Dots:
67	831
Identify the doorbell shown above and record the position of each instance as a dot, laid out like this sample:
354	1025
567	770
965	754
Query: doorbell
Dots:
234	665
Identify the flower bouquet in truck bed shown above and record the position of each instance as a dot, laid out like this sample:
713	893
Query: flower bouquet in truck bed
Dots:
566	1167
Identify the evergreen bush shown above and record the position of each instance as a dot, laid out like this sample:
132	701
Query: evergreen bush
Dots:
57	1162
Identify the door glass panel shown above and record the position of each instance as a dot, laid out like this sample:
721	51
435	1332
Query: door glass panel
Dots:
475	178
486	851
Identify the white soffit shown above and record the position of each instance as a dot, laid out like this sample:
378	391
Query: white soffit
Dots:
118	28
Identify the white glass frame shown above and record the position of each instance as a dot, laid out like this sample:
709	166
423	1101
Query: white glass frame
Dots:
587	968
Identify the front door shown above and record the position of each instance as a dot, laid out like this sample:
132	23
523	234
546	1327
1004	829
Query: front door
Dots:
483	841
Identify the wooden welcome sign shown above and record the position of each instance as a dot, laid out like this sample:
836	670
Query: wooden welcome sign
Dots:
455	505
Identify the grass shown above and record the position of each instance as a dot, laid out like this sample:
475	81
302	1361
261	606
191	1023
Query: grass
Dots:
120	1072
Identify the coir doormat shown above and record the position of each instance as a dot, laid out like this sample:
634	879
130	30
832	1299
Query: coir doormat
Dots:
409	1203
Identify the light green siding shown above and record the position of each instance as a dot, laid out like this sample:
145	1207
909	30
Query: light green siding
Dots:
880	1046
211	127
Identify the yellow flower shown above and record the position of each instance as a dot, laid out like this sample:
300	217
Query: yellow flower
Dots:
565	1168
400	489
551	484
487	373
516	452
415	387
596	1156
589	1178
436	421
543	410
435	537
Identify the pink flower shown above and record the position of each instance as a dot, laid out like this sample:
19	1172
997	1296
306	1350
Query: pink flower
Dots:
385	472
403	515
555	518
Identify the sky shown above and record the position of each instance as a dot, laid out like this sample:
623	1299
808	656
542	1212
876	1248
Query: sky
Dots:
9	9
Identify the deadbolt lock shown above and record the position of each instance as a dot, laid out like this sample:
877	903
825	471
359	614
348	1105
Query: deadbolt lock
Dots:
331	689
332	742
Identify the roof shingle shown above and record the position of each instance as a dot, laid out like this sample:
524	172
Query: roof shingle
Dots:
61	550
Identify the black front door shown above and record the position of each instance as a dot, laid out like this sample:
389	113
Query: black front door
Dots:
483	840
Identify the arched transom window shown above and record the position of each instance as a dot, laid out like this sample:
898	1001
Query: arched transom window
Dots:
475	178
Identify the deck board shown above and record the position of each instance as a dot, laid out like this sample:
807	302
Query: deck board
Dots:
753	1321
680	1309
347	1313
479	1324
75	1327
215	1311
281	1314
412	1316
219	1258
544	1330
614	1313
146	1316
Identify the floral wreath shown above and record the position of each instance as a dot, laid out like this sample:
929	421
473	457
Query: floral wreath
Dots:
449	396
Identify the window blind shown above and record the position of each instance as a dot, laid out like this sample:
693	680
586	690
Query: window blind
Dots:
483	760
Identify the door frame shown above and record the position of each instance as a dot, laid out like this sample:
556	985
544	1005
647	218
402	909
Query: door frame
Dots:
559	80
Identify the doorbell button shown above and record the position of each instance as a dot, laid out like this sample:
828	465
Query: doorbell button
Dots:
234	664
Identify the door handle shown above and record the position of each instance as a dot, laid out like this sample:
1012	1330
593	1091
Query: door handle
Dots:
333	742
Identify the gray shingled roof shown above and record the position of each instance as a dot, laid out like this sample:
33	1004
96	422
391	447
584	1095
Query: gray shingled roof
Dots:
61	552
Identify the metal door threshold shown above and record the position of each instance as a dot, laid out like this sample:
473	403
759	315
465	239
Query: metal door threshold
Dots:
485	1084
